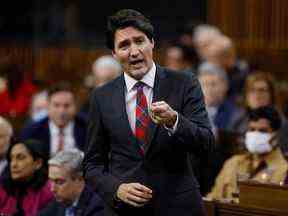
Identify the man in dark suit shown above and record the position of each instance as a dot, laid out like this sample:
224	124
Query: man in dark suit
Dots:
62	129
140	165
73	197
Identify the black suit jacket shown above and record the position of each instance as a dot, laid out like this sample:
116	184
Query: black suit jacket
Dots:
112	154
90	204
40	131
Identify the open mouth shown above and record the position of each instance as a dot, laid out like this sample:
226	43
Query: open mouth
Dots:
136	62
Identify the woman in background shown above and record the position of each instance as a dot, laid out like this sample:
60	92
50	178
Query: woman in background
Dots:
25	188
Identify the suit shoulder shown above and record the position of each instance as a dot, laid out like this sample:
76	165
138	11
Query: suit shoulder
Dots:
51	209
107	88
35	127
182	76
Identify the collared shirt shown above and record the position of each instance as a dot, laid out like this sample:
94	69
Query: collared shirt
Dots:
69	141
242	166
71	210
131	95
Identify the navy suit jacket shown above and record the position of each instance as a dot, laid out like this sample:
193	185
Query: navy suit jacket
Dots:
90	204
112	155
40	131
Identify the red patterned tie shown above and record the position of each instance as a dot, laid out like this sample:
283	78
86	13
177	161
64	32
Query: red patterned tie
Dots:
61	140
142	117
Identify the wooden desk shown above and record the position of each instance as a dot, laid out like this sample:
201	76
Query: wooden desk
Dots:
227	209
255	200
269	196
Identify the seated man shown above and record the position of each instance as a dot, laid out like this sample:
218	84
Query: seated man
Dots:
63	128
73	197
263	162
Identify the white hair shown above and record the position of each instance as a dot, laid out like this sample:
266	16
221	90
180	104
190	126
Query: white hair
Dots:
205	31
70	159
107	61
207	68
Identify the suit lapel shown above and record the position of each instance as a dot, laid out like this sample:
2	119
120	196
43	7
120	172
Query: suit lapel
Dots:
160	93
47	135
119	103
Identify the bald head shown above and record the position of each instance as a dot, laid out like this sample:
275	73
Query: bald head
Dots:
105	69
6	133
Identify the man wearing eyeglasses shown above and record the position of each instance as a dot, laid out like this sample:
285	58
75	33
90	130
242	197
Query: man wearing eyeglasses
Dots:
72	196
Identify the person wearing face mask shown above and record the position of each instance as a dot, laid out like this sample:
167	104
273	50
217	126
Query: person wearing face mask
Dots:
263	161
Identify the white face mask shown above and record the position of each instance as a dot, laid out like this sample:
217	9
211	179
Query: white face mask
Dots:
258	142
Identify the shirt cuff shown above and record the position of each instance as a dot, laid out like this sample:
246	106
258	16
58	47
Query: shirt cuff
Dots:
172	130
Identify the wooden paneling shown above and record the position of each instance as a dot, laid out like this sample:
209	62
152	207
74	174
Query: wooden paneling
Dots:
255	24
259	29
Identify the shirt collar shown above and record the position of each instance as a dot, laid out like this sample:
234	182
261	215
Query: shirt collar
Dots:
54	129
148	79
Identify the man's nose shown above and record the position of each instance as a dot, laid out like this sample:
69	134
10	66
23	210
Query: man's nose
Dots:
134	51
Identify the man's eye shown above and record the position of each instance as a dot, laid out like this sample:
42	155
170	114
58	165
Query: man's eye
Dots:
59	181
140	41
123	46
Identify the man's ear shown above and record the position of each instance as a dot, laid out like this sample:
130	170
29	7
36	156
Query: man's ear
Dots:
113	54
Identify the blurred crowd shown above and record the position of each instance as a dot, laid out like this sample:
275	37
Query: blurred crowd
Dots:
40	163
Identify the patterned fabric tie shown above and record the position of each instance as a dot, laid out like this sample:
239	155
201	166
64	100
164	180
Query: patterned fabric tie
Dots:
142	117
61	137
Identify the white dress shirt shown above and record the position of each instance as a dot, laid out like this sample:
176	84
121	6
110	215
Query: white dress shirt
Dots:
131	95
69	141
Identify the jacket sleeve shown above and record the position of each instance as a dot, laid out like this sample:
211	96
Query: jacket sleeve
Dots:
97	151
193	129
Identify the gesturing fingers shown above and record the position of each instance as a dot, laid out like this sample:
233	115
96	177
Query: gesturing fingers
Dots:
134	194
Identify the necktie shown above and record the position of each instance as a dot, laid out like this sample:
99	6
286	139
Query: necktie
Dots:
61	140
142	117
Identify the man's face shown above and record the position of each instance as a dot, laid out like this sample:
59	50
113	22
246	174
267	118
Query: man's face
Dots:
134	51
61	108
65	188
214	89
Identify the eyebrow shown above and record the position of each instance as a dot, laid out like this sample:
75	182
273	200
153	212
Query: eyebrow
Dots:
54	179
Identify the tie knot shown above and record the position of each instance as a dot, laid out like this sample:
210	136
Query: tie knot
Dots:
139	85
61	131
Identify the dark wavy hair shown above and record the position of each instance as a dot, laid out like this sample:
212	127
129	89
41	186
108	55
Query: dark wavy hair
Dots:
266	112
37	150
127	18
